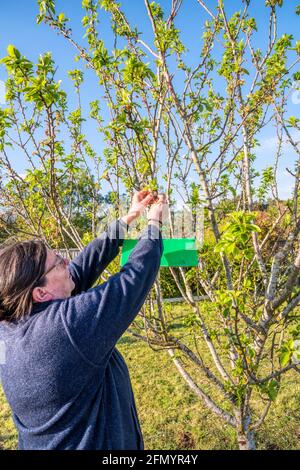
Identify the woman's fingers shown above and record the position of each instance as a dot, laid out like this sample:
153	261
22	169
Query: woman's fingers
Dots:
162	198
148	199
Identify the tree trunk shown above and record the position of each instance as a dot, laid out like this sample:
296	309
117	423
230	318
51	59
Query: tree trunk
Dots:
245	435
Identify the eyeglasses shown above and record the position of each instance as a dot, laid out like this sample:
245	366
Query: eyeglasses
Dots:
60	261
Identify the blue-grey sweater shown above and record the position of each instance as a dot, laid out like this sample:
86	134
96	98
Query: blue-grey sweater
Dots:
66	383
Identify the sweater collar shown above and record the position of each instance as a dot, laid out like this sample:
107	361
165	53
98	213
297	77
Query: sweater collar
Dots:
40	306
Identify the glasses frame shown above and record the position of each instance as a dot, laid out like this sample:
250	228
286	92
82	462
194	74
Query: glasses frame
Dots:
60	260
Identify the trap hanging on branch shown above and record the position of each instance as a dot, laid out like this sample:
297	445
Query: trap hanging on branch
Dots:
177	252
180	244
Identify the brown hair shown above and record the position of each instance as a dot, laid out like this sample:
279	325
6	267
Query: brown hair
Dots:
22	265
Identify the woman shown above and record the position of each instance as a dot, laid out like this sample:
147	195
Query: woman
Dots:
66	383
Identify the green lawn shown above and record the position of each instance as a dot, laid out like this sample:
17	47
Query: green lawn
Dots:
8	436
173	418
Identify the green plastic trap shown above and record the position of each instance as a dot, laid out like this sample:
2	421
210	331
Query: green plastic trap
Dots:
177	252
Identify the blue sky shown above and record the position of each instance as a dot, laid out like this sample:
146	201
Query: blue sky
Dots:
18	27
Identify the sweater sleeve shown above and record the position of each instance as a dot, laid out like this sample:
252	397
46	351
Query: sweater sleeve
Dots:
95	320
96	256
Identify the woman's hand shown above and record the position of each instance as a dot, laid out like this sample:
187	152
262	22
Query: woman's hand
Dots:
159	209
140	201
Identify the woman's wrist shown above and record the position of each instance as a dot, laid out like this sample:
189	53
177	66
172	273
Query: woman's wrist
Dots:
130	217
155	222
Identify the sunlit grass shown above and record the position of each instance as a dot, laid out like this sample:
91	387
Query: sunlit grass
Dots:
172	417
8	434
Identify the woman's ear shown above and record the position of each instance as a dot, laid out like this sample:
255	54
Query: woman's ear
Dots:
39	294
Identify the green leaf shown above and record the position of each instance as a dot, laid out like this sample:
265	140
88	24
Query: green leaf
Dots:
86	3
39	19
273	390
61	17
284	358
226	312
293	121
13	52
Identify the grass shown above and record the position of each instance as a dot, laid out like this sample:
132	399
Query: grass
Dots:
172	417
8	435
